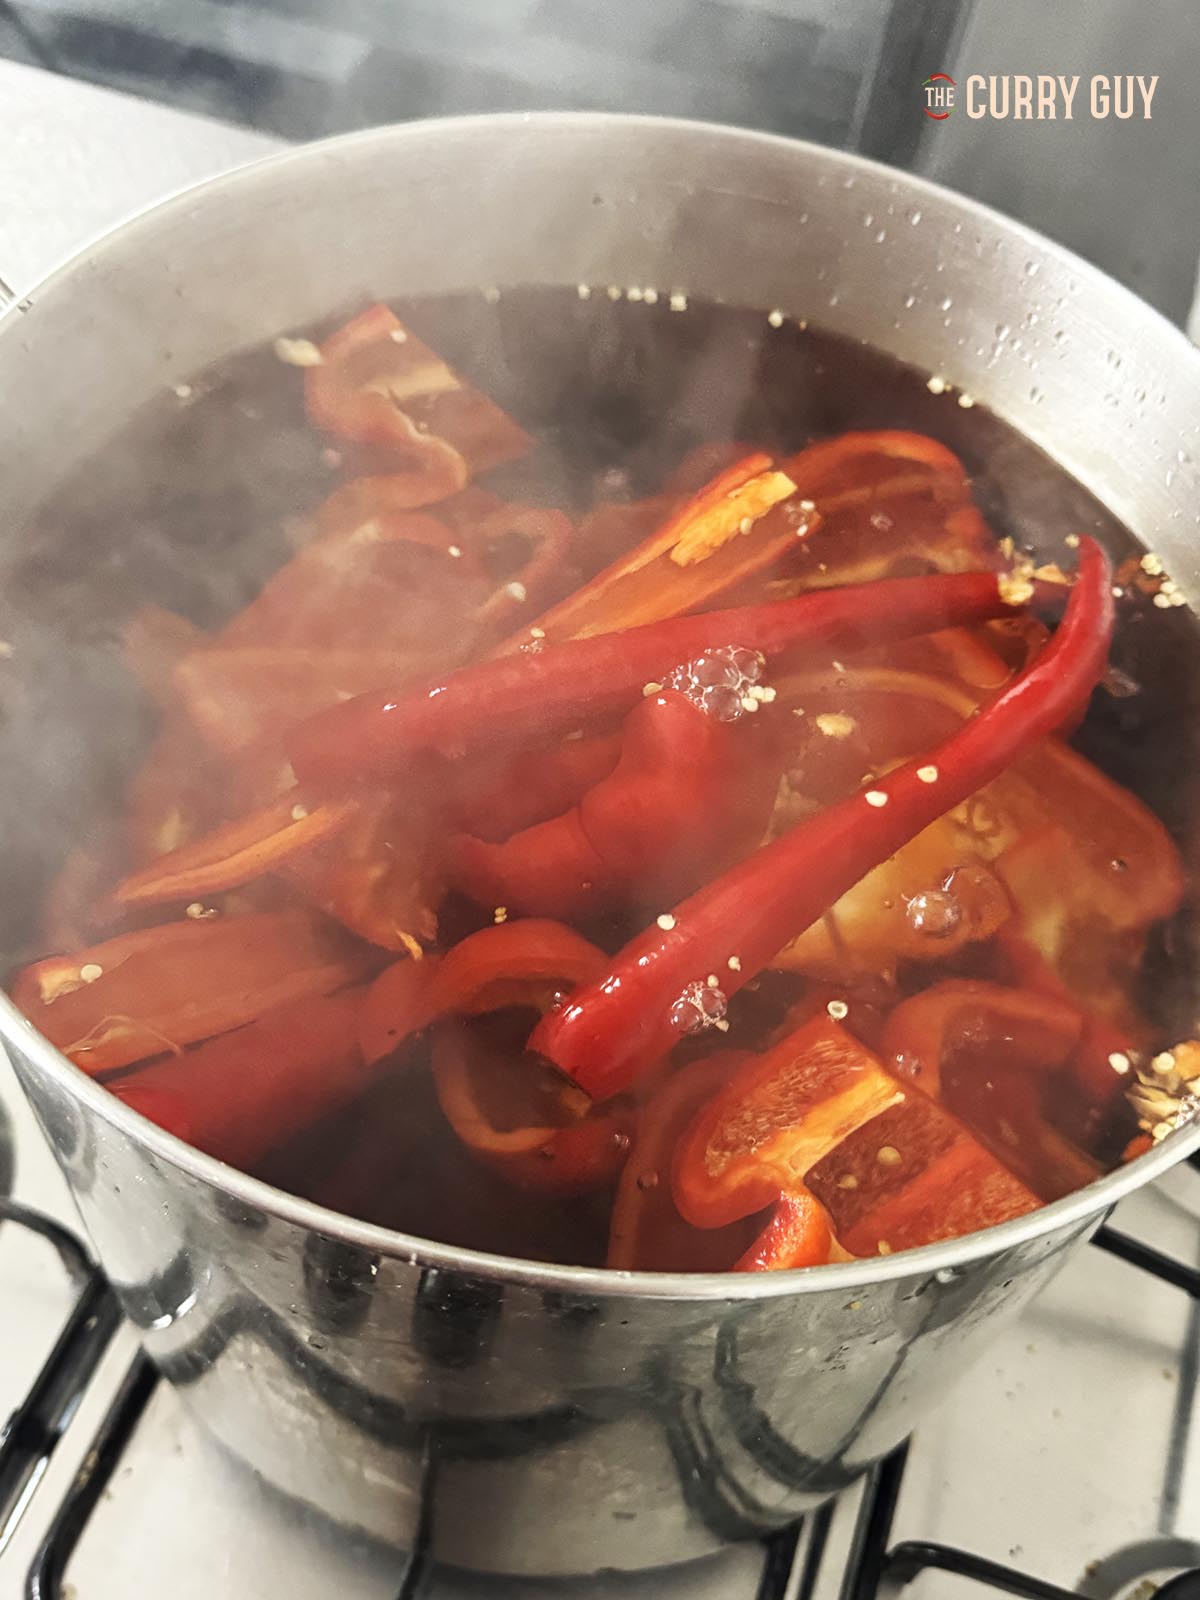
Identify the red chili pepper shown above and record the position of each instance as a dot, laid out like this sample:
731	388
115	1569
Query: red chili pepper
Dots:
611	1032
503	794
674	809
245	1093
533	696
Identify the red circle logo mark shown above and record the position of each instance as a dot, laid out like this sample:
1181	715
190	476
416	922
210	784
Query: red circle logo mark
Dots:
937	93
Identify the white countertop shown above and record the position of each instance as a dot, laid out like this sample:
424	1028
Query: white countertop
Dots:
75	160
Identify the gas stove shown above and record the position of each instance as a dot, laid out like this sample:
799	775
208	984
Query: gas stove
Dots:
1065	1465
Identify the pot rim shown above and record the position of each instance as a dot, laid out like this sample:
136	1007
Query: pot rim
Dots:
1073	1210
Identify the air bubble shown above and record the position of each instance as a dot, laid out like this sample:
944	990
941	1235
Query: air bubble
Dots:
709	672
935	912
1032	268
914	217
720	702
904	1065
748	662
910	301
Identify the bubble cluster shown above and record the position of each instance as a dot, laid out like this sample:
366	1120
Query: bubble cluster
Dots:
700	1006
719	681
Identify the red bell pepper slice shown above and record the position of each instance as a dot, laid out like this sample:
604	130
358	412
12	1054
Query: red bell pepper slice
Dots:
746	519
154	643
675	807
560	1156
369	579
531	697
243	1094
514	964
997	1057
376	874
818	1116
158	989
474	532
486	971
944	1184
378	384
545	535
646	1231
1095	1104
235	853
923	1030
798	1234
612	1031
779	1115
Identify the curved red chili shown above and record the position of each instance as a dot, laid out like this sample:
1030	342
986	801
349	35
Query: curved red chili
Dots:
673	810
540	693
613	1030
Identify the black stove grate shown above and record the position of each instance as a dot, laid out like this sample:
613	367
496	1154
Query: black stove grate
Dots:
875	1565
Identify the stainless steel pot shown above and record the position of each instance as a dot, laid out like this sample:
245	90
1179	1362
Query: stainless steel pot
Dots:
553	1420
